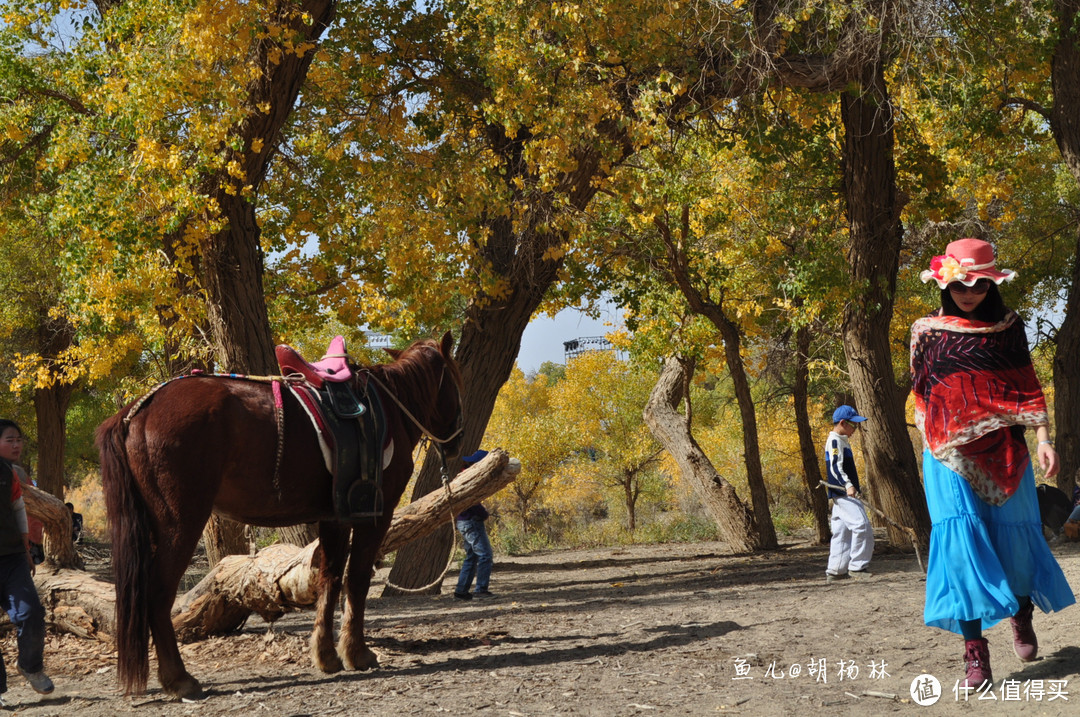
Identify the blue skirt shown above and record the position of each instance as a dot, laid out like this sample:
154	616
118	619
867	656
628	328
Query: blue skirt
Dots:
983	556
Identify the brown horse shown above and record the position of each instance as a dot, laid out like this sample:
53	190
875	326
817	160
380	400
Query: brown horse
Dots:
210	444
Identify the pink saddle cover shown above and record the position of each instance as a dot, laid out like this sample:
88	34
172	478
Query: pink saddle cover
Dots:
331	368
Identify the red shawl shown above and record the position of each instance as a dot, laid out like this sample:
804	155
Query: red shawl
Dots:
975	389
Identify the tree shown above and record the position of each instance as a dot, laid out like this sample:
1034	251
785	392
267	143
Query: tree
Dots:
185	167
524	421
600	404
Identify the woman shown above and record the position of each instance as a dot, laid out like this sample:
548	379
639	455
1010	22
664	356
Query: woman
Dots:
975	394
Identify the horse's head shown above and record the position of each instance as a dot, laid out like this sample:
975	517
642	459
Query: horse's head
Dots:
448	408
436	383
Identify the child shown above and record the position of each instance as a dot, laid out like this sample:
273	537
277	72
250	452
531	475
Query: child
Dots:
478	554
17	568
852	543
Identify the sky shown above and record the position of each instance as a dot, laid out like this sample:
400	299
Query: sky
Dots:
543	338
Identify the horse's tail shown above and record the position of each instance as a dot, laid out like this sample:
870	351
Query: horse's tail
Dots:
129	528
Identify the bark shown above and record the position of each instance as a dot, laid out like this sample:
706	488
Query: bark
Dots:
222	537
230	265
76	602
1065	125
50	408
54	515
873	209
672	429
755	477
299	534
808	450
491	335
231	262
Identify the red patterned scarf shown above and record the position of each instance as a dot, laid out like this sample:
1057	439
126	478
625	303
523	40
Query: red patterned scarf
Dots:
975	389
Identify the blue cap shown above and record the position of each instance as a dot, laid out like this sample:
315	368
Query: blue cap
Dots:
846	413
475	458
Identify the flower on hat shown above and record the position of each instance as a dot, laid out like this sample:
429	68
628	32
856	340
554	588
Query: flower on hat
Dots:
948	268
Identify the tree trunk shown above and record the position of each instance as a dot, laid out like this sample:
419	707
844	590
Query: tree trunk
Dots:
51	405
702	303
491	335
672	429
819	501
755	478
486	353
230	265
1067	383
631	501
1065	125
873	212
222	537
299	534
76	602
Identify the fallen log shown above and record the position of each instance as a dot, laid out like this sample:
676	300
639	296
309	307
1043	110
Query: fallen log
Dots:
282	577
55	516
76	602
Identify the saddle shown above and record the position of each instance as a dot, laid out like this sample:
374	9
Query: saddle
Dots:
351	427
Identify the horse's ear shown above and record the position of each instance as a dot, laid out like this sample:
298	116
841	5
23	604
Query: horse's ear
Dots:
394	353
447	344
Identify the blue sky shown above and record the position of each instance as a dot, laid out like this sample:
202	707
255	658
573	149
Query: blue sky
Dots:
543	338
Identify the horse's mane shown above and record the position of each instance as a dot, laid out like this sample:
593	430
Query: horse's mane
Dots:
413	371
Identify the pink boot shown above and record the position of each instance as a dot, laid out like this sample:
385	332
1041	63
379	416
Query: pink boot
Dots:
977	663
1025	643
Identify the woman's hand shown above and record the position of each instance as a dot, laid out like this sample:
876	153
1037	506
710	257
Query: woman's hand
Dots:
1048	459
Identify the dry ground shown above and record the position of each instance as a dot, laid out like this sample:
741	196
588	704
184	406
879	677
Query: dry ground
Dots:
652	630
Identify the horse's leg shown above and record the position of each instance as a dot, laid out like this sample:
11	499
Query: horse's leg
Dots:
332	539
351	645
171	558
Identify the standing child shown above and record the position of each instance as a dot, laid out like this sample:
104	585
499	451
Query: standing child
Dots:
478	554
975	393
852	543
17	567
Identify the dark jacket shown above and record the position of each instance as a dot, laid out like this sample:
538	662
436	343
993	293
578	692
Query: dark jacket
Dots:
476	512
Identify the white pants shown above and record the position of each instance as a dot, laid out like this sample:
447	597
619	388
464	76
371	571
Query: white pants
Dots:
852	543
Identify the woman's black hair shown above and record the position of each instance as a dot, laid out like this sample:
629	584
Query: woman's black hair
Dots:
991	310
6	423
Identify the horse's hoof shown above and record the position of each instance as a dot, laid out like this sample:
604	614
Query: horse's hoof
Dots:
328	662
187	688
366	660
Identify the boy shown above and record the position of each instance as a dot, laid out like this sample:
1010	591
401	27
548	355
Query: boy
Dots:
852	535
478	554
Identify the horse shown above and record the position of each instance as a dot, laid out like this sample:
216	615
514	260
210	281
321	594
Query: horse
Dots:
205	444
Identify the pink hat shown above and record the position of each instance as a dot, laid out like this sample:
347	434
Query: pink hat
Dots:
965	261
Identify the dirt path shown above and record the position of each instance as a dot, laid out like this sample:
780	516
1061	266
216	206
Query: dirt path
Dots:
651	630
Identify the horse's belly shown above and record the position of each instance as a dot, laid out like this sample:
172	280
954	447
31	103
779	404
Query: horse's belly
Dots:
274	510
